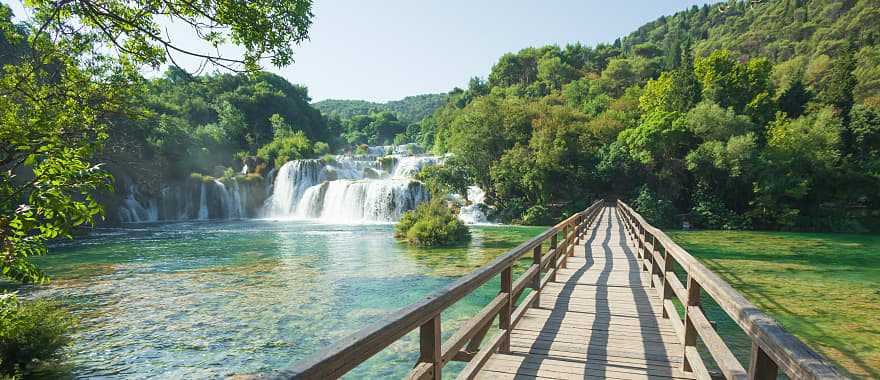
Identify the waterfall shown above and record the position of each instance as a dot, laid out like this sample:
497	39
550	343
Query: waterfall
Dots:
203	202
475	212
408	167
348	189
132	209
338	189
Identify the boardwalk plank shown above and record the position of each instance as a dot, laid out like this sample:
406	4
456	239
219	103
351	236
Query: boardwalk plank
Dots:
600	319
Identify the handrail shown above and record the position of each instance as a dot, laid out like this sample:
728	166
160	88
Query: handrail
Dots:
773	348
338	359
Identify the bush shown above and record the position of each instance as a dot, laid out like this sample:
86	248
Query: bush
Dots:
431	224
30	332
657	211
285	148
321	148
538	215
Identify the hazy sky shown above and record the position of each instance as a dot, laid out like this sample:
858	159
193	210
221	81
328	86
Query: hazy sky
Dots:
385	50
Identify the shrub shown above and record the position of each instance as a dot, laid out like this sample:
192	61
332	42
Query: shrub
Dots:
657	211
321	148
30	332
328	159
538	215
286	147
387	163
431	224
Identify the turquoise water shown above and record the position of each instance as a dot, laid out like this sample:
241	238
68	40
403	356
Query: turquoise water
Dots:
213	299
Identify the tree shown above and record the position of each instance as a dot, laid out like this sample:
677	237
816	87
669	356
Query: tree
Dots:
77	76
841	83
730	83
708	121
794	99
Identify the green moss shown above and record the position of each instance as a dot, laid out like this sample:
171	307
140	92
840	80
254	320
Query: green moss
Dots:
328	159
431	224
201	177
387	163
824	288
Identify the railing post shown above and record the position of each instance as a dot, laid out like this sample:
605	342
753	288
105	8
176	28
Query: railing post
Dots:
651	258
569	248
563	248
690	332
429	345
504	316
761	366
554	258
668	270
536	282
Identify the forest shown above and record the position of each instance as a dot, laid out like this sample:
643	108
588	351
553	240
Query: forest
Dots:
749	116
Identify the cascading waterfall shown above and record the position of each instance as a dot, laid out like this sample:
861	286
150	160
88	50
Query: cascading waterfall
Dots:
133	210
203	202
408	167
348	189
191	200
342	189
475	212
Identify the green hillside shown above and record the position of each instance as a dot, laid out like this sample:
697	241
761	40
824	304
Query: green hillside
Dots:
737	115
410	109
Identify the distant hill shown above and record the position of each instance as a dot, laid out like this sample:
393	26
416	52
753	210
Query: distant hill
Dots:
410	109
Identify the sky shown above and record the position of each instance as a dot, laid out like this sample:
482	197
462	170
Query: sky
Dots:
386	50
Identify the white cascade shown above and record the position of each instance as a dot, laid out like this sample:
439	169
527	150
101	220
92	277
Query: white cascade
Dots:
133	210
203	202
475	212
348	189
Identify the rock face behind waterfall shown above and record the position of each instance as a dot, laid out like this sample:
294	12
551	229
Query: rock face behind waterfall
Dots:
193	199
348	189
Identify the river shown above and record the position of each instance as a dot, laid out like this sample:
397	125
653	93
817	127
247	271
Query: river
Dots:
214	299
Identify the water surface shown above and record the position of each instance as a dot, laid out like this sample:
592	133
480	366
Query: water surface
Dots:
213	299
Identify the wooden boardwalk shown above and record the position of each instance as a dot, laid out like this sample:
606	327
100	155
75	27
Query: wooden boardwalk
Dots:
611	297
598	319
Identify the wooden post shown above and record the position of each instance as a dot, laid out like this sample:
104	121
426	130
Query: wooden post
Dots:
564	247
553	258
429	345
652	258
504	315
569	233
667	271
762	367
690	332
536	282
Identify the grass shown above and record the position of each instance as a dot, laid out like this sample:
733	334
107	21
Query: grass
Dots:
823	288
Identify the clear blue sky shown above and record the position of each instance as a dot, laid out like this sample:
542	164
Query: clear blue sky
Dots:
361	50
386	50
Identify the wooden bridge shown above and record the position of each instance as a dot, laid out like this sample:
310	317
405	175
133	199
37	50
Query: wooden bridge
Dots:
610	297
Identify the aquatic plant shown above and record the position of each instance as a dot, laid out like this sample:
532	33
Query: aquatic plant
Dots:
431	224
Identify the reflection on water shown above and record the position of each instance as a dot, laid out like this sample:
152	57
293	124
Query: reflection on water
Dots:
212	299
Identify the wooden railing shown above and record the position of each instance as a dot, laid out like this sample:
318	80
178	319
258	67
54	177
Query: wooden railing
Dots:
773	348
464	344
